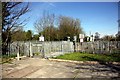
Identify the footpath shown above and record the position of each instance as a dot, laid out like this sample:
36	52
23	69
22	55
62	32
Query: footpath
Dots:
50	68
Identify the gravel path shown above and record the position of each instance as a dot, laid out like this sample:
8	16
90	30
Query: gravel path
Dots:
43	68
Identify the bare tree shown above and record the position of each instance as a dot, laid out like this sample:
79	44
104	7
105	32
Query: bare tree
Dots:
47	20
66	26
11	13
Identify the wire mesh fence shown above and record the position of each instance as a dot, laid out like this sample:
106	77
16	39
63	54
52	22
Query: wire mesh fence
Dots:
55	48
99	47
41	48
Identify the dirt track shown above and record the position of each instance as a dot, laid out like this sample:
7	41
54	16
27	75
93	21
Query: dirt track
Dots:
43	68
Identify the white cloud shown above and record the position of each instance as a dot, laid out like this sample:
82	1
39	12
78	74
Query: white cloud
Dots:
51	4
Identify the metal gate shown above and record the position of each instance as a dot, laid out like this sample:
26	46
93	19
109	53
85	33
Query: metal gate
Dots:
42	49
51	49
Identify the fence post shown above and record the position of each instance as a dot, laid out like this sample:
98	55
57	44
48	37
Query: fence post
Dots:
99	47
43	52
18	55
108	46
74	45
31	55
61	46
92	46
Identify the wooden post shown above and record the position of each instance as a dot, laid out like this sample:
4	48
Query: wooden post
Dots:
18	56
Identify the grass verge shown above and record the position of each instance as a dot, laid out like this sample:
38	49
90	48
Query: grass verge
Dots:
90	57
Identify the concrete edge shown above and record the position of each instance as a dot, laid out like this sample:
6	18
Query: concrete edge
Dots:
82	62
20	57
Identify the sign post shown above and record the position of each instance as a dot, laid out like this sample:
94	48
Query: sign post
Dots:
41	38
81	37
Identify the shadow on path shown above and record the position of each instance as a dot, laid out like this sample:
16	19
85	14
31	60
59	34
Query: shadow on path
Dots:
113	67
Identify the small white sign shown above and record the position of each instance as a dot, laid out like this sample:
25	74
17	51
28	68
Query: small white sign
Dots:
81	36
68	38
41	38
75	38
92	39
81	40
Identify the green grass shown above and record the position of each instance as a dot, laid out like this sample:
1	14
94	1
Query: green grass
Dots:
90	57
10	56
37	53
7	59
